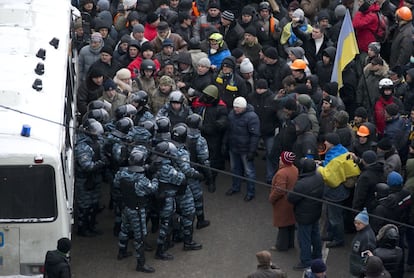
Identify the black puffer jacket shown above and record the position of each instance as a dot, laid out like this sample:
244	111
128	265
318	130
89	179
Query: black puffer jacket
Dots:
307	211
57	265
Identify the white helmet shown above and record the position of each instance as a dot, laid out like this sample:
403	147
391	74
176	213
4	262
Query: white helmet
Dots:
386	83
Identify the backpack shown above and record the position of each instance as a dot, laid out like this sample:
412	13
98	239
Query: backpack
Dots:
382	32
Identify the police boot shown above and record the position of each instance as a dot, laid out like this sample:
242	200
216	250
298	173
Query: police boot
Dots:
160	254
83	224
190	245
122	252
92	221
141	266
116	229
201	222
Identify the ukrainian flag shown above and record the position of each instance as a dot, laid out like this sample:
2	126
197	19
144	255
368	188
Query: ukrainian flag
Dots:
346	49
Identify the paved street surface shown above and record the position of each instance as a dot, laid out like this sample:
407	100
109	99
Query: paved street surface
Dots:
237	232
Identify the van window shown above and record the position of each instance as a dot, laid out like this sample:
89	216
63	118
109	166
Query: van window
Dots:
27	193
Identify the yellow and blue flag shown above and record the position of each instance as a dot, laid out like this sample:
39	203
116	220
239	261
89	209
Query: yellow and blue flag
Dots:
346	49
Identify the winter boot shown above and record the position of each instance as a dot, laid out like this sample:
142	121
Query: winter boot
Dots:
122	252
83	224
160	254
202	222
141	266
190	245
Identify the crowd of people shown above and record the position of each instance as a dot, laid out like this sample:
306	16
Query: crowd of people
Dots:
171	89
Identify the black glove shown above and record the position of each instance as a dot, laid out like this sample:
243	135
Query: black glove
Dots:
99	164
250	156
197	176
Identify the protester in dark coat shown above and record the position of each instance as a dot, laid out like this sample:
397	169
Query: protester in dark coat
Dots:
265	268
90	89
307	212
57	261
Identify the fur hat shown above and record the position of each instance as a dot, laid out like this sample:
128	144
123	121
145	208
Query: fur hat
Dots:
246	66
362	217
263	257
287	157
375	46
123	73
240	102
64	245
204	62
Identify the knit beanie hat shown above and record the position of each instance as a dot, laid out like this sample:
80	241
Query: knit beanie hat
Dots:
109	84
138	28
370	157
96	37
228	15
318	266
362	217
375	46
240	102
361	112
237	53
246	66
287	157
394	179
95	72
299	13
305	100
151	18
107	49
64	245
271	53
333	138
251	30
290	104
340	11
308	165
261	84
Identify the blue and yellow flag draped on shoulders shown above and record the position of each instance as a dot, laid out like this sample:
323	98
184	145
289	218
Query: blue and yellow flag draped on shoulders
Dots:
346	49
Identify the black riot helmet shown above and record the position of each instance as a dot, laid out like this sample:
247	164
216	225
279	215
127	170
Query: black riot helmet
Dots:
149	125
147	64
176	96
92	127
126	110
98	104
179	133
101	115
137	158
124	125
163	124
193	121
140	97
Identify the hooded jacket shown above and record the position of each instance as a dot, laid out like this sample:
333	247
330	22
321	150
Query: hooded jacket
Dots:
365	25
57	265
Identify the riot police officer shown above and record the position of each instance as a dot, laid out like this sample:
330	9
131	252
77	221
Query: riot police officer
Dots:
184	198
90	161
176	110
132	189
140	100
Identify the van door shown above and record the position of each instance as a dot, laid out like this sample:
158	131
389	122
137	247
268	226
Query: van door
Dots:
9	250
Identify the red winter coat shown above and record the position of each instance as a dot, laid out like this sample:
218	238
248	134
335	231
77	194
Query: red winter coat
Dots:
283	181
135	66
365	25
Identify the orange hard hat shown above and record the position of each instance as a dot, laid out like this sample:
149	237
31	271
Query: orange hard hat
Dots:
298	64
404	13
363	131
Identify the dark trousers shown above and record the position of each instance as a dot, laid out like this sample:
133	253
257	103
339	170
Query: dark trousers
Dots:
285	238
